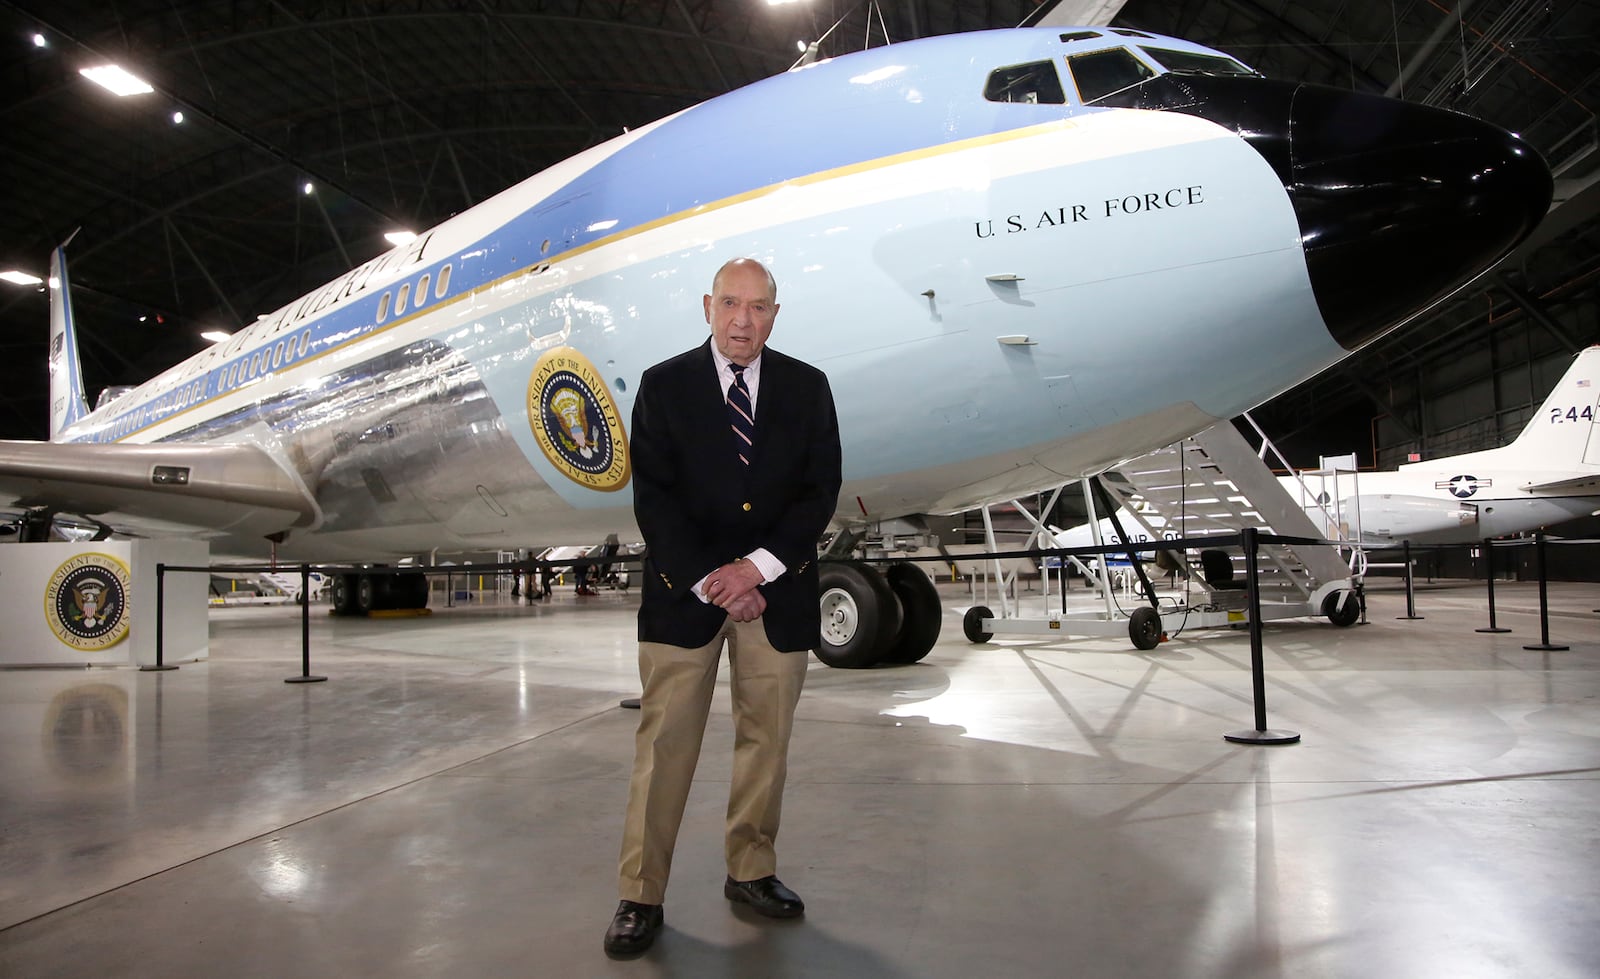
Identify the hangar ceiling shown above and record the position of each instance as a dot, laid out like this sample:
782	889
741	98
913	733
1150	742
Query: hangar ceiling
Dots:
399	113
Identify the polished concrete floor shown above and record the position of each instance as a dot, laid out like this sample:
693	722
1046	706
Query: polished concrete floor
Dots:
448	803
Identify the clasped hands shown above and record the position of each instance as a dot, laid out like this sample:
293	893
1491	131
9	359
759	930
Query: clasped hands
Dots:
733	587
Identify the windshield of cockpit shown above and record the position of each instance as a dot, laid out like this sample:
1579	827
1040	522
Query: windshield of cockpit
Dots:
1089	75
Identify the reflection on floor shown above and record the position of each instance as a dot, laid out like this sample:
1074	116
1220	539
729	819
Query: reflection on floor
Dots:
449	803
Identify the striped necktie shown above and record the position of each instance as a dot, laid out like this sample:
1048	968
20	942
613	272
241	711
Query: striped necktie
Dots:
741	414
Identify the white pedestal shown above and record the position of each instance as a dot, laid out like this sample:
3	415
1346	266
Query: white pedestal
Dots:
94	604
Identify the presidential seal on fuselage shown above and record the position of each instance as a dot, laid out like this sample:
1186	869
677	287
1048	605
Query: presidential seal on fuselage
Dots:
575	421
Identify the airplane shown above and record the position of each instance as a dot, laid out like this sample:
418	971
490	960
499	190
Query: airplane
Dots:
1548	474
970	232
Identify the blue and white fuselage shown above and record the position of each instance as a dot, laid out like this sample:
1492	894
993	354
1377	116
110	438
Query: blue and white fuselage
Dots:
1004	294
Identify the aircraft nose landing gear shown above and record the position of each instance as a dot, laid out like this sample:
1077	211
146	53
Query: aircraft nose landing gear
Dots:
870	618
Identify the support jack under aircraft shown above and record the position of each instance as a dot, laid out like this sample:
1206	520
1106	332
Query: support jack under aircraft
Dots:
1021	256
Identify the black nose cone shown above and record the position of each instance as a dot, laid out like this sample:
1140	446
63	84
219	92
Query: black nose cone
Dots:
1399	204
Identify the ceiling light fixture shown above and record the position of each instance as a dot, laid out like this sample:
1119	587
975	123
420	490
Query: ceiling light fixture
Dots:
400	237
117	80
307	188
177	118
39	41
215	336
20	278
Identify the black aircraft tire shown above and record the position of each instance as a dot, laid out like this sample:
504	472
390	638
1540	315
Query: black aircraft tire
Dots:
408	591
972	624
1344	615
341	593
1144	628
859	616
921	614
364	595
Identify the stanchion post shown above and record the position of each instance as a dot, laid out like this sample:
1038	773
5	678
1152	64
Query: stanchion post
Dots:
161	604
1544	604
1488	564
305	631
1411	603
1258	674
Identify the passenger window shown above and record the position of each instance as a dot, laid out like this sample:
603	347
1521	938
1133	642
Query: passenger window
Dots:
1209	64
277	356
422	291
383	308
1100	73
1035	84
305	342
255	364
400	300
444	283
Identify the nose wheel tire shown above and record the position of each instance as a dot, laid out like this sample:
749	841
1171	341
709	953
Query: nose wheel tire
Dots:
860	616
921	613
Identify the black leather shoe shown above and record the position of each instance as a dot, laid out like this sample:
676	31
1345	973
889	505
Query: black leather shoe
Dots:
633	928
767	896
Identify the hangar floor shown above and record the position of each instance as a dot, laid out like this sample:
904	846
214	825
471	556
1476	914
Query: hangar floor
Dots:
449	802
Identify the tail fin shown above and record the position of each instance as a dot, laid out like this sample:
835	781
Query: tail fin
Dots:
67	403
1563	431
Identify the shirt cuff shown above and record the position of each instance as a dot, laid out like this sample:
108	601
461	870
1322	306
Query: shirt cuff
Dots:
770	567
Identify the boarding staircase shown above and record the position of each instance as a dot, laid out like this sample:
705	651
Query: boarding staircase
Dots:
1215	484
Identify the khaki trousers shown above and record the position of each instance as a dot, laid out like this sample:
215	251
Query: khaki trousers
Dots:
678	684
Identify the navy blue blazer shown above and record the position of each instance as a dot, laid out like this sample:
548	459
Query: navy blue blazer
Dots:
699	507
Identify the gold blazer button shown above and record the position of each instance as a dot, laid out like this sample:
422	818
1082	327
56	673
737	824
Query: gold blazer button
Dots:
747	508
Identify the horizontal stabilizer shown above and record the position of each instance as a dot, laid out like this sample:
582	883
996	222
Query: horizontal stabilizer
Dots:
159	489
1574	486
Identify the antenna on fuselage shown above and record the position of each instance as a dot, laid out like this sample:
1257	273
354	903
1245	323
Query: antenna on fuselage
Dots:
809	53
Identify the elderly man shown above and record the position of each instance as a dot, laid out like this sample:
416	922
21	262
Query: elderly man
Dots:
736	468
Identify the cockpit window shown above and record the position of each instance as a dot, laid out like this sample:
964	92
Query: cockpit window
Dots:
1210	64
1080	35
1125	32
1036	84
1099	73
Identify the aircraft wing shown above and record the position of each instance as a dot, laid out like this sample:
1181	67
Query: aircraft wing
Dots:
159	489
1574	486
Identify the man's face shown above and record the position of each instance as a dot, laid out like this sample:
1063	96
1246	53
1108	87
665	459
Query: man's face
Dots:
741	312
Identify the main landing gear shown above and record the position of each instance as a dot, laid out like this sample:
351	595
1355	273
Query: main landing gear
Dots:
358	593
870	617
